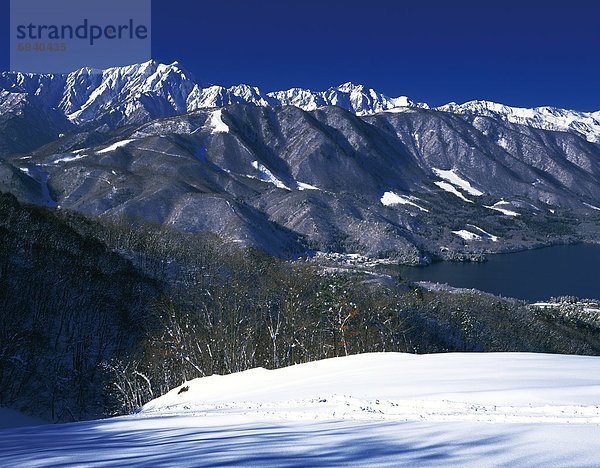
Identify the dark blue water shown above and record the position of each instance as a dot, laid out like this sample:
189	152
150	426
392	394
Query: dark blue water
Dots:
571	270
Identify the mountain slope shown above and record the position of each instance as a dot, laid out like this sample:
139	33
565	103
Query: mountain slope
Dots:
285	180
26	123
345	170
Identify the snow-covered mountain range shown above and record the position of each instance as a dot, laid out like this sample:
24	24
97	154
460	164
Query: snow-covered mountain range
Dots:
140	92
150	90
346	170
586	124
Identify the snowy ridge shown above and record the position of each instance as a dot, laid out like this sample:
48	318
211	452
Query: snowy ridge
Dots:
355	98
585	124
121	93
156	90
149	90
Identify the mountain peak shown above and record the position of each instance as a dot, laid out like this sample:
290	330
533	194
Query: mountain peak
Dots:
349	86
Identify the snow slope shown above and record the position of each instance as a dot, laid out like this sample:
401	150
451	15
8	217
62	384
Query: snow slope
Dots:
516	409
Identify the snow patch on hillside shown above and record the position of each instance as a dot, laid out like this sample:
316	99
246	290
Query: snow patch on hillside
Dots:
451	189
303	186
392	199
484	234
267	176
592	206
456	180
471	236
69	158
467	235
114	146
503	207
216	122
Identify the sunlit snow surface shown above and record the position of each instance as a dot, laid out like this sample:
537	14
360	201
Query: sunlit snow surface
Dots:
513	409
479	235
484	233
267	176
70	158
303	186
586	124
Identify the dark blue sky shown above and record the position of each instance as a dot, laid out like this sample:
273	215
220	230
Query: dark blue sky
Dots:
524	53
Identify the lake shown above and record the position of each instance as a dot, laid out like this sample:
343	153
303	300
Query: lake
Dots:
566	270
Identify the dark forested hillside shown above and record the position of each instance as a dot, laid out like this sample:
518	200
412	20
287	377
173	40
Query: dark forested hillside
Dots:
67	304
99	316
